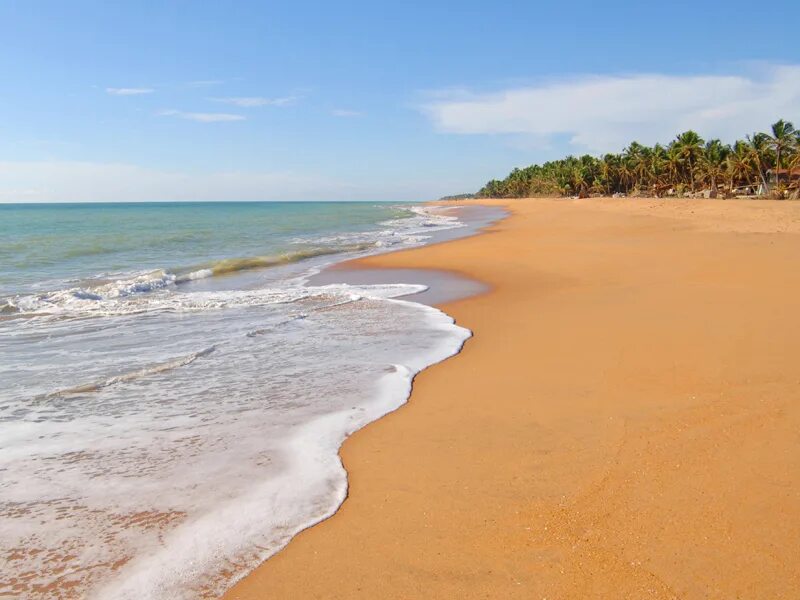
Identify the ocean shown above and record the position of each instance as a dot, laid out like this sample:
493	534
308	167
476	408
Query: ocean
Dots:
173	391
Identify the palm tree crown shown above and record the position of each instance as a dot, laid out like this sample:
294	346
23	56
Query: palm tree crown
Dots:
782	140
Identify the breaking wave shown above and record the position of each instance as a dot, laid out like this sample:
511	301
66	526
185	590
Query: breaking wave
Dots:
107	295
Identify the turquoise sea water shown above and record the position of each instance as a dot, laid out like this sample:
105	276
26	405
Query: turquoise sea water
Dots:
173	391
42	244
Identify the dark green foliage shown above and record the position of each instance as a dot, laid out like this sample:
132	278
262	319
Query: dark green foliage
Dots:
687	165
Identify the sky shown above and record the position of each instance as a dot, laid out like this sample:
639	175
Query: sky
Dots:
240	100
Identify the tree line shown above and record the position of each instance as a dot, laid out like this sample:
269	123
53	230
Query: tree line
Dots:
763	163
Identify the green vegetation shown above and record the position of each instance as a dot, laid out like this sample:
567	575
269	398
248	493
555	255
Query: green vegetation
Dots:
762	164
458	197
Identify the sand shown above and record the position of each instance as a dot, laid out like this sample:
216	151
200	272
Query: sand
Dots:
625	423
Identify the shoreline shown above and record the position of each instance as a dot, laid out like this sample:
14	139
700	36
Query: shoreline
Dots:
444	285
268	465
578	446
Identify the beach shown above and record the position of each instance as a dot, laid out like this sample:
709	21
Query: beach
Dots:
622	424
175	392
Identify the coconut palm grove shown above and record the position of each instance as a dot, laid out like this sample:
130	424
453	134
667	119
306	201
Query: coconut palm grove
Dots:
763	164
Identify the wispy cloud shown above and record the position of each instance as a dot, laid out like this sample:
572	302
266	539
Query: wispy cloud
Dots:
344	112
128	91
201	117
256	101
602	113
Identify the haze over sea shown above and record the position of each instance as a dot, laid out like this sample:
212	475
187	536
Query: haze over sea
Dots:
174	393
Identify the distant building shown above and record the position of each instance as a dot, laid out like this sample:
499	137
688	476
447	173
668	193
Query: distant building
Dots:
787	176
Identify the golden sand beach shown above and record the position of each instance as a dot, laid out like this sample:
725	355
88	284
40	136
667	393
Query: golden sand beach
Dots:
625	422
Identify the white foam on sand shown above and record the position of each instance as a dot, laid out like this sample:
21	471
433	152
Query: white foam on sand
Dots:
161	435
175	475
242	533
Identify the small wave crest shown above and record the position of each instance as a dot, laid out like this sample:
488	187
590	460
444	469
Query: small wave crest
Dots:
102	291
155	369
422	219
67	305
104	297
152	290
234	265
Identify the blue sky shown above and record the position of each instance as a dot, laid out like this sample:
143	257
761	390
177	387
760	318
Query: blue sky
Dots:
365	100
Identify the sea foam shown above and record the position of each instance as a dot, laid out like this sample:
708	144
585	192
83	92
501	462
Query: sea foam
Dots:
161	439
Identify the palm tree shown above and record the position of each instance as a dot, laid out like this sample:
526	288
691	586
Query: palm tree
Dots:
608	172
673	164
760	148
493	189
578	181
794	162
635	157
625	174
644	169
712	164
689	148
682	164
740	165
659	170
782	141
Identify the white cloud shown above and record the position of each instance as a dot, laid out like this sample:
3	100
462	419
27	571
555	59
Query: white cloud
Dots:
255	101
603	113
343	112
202	117
129	91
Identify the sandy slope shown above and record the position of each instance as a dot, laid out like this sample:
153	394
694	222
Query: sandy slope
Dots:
624	424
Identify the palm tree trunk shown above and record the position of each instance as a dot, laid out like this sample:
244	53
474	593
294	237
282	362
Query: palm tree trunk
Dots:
761	175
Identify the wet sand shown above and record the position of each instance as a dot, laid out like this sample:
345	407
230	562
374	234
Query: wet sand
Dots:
443	286
625	422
